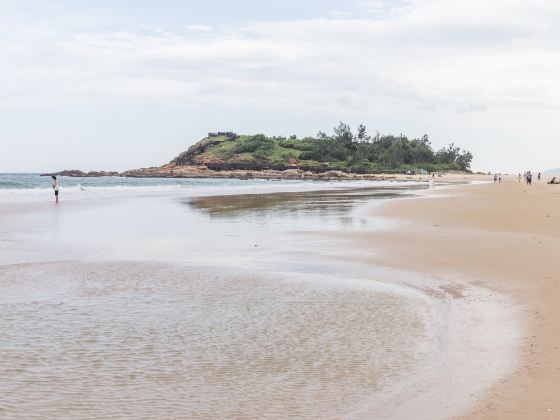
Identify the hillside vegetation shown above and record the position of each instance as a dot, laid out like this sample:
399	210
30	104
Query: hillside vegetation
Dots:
342	150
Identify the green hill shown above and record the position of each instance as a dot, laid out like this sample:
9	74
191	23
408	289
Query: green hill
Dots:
343	150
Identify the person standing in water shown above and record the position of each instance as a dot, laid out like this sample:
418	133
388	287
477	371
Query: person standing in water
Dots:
56	187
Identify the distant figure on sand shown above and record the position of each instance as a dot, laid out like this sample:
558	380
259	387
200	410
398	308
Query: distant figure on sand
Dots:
539	176
495	178
519	177
529	178
56	187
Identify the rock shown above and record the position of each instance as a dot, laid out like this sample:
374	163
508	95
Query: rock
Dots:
76	173
68	172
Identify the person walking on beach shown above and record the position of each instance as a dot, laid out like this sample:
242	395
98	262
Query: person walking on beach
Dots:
539	176
56	187
495	178
519	177
529	178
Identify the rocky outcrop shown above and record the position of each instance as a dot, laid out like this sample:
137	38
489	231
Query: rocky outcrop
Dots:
189	157
202	171
173	170
76	173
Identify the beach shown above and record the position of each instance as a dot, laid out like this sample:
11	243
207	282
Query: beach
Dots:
505	237
308	300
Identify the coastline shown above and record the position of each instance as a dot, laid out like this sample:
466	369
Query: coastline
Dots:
503	237
200	171
35	190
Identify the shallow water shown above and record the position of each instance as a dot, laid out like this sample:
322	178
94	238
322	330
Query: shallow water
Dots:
106	340
33	188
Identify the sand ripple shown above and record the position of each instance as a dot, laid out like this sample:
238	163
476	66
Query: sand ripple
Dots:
152	341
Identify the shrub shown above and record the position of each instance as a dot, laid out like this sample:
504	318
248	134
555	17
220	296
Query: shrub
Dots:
307	156
253	143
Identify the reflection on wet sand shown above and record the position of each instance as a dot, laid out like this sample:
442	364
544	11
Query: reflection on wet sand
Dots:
336	201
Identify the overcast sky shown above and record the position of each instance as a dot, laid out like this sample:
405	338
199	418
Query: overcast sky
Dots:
130	83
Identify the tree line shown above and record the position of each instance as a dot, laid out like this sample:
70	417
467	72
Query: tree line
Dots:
363	152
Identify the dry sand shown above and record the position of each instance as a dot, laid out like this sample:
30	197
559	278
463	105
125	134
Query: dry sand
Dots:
505	237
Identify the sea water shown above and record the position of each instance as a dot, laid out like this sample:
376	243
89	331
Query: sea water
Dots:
33	188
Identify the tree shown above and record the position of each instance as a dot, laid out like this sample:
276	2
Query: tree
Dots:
421	150
343	135
448	154
362	135
464	160
321	144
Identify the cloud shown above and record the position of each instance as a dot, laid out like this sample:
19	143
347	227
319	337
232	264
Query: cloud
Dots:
395	57
448	67
384	8
199	28
420	54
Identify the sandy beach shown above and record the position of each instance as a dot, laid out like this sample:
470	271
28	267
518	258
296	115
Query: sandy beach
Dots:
504	237
356	301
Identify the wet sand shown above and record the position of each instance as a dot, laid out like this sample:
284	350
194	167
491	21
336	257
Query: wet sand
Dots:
504	237
233	306
199	307
121	340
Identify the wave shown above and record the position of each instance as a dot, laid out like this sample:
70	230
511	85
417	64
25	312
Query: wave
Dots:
83	191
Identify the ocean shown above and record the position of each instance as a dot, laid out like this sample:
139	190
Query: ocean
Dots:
30	187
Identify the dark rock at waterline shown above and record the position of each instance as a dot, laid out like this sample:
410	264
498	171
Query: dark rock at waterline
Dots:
76	173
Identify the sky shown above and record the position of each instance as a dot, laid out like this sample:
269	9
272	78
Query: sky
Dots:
115	85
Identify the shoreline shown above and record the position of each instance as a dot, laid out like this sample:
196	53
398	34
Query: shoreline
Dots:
82	189
200	171
503	237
